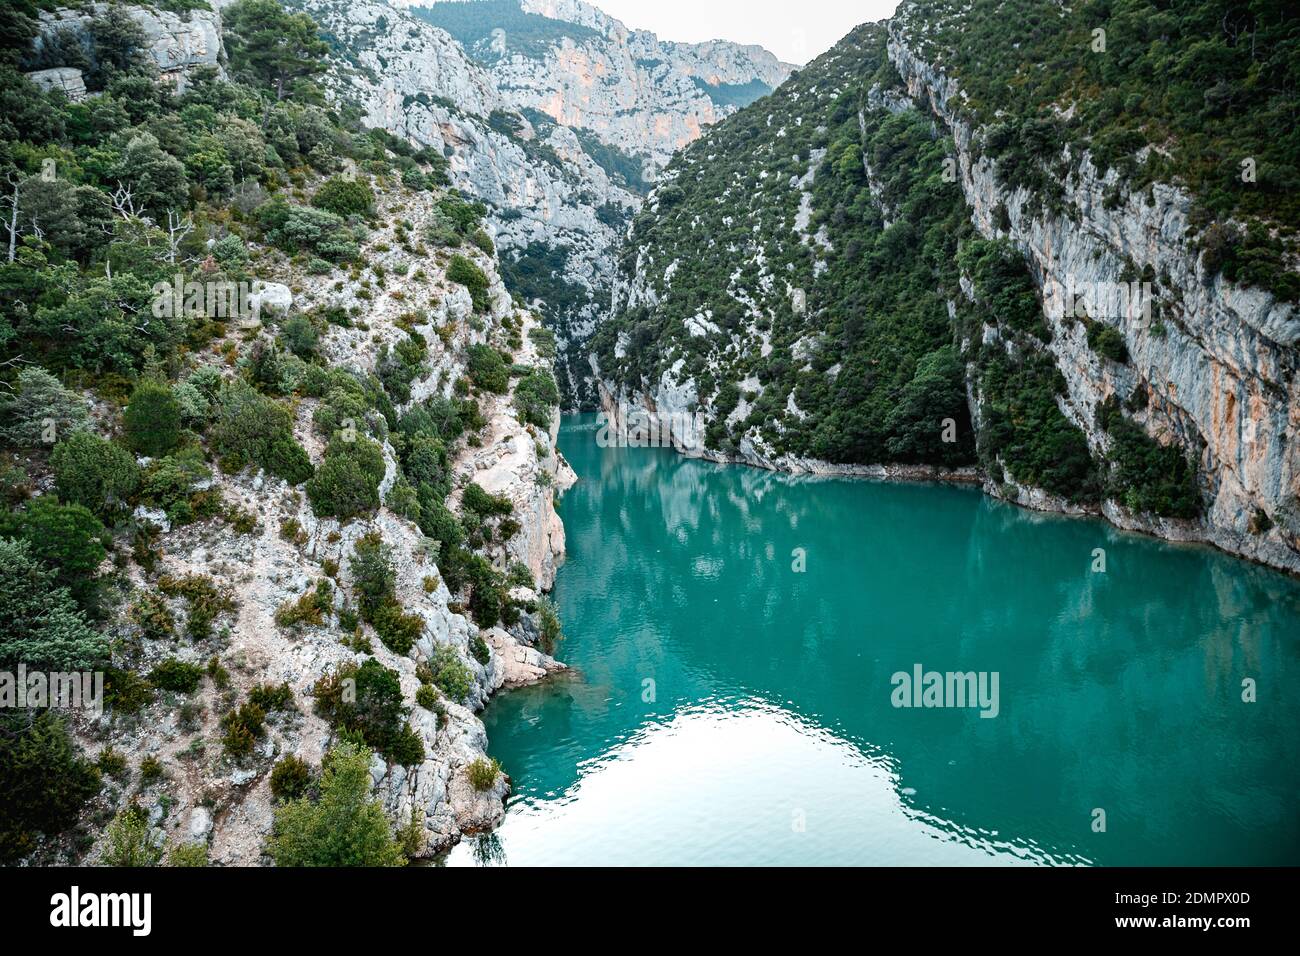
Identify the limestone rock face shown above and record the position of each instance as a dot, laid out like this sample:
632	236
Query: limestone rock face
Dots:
227	801
64	78
1219	370
178	43
548	198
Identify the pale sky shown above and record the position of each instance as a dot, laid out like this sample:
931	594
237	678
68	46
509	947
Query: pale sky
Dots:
795	30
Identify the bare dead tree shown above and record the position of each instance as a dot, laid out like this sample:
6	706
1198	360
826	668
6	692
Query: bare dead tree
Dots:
123	202
177	230
12	224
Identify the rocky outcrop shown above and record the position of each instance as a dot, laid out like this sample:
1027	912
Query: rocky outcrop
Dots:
549	200
644	95
65	79
543	191
226	801
177	42
1218	368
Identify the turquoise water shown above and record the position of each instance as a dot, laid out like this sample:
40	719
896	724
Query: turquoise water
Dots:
768	735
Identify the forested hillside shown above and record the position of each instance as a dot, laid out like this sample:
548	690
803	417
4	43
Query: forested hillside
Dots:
845	270
257	368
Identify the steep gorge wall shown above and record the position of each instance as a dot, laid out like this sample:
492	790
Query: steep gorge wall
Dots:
1219	370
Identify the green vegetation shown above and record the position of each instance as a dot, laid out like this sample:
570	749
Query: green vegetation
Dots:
364	702
469	275
1212	82
343	827
44	780
483	773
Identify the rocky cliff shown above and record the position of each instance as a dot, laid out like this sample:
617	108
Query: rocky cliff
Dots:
771	338
207	797
556	142
177	43
1218	373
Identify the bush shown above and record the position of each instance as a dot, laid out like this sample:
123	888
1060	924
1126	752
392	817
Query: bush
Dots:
344	827
44	780
39	623
484	505
254	429
91	471
310	609
178	676
537	397
127	840
41	411
487	369
68	538
188	854
548	623
398	630
373	575
345	197
347	483
242	727
479	649
370	707
449	674
463	271
205	600
153	420
291	779
483	773
272	697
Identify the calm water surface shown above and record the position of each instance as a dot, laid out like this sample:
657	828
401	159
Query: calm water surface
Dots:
726	709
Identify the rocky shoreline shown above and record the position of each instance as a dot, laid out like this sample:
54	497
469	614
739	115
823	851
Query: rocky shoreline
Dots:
1031	499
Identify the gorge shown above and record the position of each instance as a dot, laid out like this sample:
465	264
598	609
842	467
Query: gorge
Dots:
356	537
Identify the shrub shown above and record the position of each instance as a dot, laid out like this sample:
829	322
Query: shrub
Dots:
548	623
153	419
347	483
188	854
291	778
487	369
466	273
272	697
127	840
374	711
91	471
308	609
345	197
483	773
44	780
243	727
41	410
536	398
344	827
68	538
398	630
39	623
449	674
205	601
151	771
178	676
254	429
479	649
373	575
484	505
111	763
